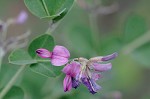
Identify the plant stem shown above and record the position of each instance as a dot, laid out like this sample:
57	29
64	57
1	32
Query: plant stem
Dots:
137	43
43	60
2	53
12	81
1	58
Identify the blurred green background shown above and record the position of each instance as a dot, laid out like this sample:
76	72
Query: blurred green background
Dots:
124	29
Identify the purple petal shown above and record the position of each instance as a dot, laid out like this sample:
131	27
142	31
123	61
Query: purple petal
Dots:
96	76
75	83
72	69
91	85
102	67
43	53
22	17
67	83
61	51
58	61
60	56
109	57
103	58
96	87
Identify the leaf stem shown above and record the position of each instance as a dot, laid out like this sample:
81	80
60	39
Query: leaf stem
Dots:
45	7
2	53
137	43
1	58
43	60
12	81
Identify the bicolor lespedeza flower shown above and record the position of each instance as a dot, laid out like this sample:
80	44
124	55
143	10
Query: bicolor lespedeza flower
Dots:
79	70
58	57
82	70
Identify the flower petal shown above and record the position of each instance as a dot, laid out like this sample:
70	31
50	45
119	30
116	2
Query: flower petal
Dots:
109	57
67	83
104	58
43	53
91	85
96	76
72	69
58	61
61	51
96	87
75	83
102	67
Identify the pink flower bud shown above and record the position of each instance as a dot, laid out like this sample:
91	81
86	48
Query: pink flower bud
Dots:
43	53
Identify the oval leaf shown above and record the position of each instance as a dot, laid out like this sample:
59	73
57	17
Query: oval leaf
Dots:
14	93
44	41
135	26
142	54
20	57
44	68
52	9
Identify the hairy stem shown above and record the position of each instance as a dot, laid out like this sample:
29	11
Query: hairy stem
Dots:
137	43
12	81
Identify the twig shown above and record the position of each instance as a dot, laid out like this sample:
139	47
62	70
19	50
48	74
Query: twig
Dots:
145	38
12	81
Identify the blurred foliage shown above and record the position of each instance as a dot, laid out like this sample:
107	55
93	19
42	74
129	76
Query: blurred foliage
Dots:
14	93
130	72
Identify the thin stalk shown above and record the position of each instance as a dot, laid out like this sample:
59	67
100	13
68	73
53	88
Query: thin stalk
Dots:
52	27
12	81
6	25
1	58
43	61
137	43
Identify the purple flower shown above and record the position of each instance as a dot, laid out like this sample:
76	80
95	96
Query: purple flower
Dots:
92	86
58	57
71	70
82	70
67	83
22	17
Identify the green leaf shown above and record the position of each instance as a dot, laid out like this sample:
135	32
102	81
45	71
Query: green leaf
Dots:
110	44
135	34
52	9
20	57
44	68
44	41
142	54
135	26
14	93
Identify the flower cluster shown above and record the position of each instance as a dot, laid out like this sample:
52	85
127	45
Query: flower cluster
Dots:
78	70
